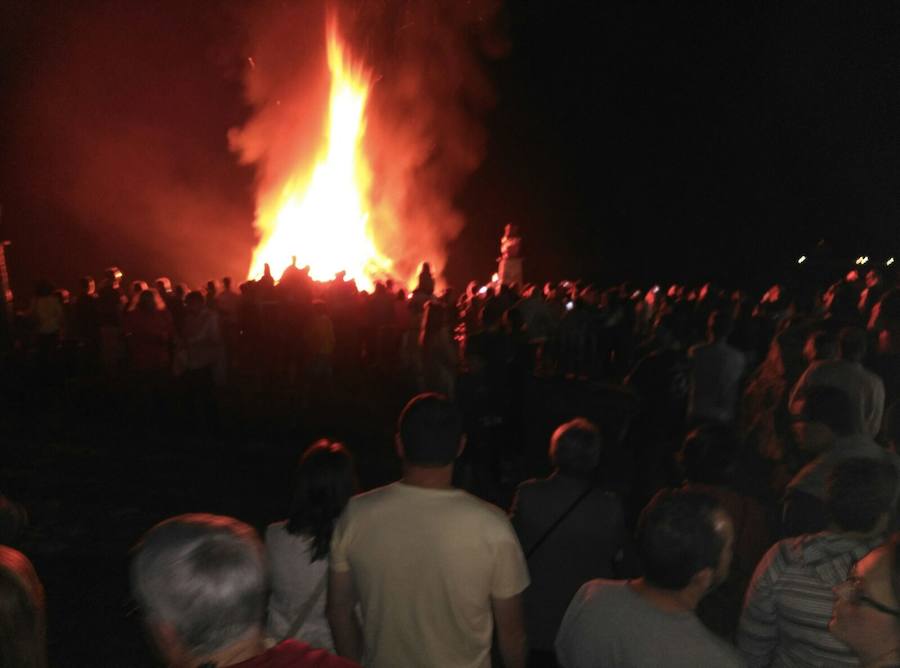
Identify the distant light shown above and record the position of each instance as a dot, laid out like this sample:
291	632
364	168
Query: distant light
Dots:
889	262
482	290
495	277
865	259
861	260
802	259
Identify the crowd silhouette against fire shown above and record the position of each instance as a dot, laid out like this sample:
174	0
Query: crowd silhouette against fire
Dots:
732	499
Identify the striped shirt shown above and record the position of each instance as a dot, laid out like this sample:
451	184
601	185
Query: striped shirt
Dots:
788	604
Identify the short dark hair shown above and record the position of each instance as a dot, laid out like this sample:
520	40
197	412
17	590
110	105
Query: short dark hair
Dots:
859	491
677	537
323	484
721	324
430	430
824	344
852	341
575	447
830	406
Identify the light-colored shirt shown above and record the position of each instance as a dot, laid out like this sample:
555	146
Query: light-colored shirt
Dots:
864	389
426	564
609	624
294	580
716	372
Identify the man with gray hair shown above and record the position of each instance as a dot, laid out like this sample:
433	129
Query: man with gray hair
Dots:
571	529
202	585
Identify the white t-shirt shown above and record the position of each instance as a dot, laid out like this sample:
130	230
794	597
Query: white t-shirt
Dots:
294	580
426	564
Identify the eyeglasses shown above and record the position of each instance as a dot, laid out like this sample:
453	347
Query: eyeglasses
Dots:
851	590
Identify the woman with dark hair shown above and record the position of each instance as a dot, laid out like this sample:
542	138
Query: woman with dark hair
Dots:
298	547
22	630
866	614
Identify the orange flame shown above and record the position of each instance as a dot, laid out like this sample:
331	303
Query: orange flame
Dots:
323	220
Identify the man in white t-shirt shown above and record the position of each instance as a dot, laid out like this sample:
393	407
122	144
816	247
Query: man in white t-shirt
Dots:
433	569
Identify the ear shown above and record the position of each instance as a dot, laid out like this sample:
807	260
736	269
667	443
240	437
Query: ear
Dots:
703	580
462	445
168	644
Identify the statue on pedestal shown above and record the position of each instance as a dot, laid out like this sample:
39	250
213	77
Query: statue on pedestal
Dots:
510	259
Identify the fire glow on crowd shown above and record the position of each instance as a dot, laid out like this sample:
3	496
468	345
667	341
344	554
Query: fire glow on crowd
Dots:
321	216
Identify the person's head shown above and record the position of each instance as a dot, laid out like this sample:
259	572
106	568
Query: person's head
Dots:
88	287
150	301
824	414
685	540
719	325
866	613
859	495
194	301
852	343
226	283
324	482
201	584
43	288
820	345
137	287
22	614
163	285
708	455
575	448
429	431
112	276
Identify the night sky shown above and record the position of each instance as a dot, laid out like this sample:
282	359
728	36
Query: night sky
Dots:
628	140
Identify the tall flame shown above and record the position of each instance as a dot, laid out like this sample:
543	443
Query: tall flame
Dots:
323	219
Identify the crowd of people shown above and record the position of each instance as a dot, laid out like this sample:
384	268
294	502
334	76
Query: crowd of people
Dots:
745	513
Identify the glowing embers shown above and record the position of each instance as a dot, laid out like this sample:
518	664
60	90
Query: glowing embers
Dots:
323	218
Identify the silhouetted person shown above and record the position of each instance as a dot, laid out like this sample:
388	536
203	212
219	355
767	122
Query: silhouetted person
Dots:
716	373
23	642
571	530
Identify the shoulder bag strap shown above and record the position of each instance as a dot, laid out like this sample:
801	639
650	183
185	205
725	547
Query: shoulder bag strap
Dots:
307	606
559	520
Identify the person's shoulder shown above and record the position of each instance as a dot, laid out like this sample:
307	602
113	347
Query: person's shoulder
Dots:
599	590
276	529
480	507
537	486
374	497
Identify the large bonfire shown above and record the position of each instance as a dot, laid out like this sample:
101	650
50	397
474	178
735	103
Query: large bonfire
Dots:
321	216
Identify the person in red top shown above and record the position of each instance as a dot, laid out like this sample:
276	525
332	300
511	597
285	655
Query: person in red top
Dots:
201	582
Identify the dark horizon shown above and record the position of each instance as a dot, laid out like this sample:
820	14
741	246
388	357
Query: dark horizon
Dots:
627	141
